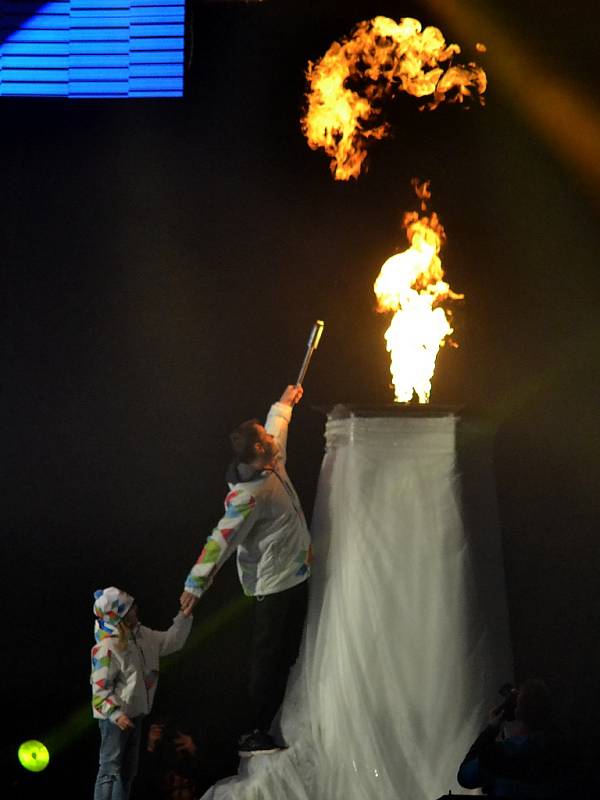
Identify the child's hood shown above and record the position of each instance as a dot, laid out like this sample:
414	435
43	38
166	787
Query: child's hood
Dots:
110	607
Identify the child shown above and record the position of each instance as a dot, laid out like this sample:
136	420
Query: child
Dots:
125	665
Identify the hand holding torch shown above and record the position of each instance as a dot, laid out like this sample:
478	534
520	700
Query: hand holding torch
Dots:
313	343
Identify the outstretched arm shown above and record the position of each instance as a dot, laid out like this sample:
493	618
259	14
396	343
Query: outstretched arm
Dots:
280	415
230	531
176	636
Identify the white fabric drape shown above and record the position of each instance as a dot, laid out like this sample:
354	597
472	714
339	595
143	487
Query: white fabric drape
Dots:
406	642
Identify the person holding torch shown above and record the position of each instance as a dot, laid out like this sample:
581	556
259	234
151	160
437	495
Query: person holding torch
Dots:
264	522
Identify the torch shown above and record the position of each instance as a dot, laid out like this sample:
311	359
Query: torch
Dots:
313	343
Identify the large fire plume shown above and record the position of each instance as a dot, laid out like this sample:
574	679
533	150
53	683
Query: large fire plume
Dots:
350	84
410	284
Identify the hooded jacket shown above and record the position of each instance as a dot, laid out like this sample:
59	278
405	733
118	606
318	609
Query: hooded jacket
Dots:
124	681
264	521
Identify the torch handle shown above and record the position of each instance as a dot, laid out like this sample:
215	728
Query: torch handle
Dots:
313	343
304	367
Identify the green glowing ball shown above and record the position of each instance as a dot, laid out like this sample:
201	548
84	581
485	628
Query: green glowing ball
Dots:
34	756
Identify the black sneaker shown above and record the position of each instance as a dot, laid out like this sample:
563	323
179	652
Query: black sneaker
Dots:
257	743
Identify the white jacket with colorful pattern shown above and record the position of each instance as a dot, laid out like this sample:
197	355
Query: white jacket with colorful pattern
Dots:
125	681
264	521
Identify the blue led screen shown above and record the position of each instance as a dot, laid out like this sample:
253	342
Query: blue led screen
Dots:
92	48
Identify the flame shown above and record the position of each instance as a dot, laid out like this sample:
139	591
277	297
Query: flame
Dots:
410	284
348	86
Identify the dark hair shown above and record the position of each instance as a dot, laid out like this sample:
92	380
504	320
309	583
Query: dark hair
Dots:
243	439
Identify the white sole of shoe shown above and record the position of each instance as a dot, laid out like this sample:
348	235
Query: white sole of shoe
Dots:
247	754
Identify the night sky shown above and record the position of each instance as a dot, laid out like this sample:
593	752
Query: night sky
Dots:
164	261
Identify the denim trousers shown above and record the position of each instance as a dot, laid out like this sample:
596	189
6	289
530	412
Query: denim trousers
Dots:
119	756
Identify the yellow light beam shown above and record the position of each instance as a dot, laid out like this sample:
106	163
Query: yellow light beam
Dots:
557	109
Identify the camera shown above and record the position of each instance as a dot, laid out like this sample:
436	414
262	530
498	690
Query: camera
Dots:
508	707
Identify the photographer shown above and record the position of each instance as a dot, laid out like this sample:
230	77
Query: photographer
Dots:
170	764
518	754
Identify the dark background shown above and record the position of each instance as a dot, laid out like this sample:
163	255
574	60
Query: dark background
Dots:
163	264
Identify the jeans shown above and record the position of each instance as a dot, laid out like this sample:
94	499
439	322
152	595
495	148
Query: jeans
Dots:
276	636
119	755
